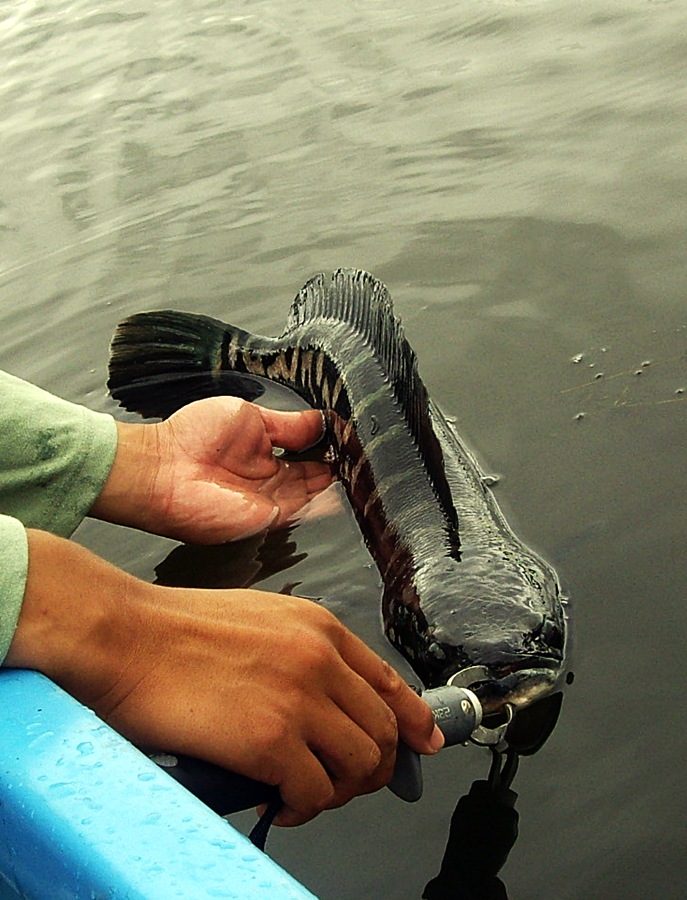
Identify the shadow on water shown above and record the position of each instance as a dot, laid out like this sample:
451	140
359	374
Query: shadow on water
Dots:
483	831
237	565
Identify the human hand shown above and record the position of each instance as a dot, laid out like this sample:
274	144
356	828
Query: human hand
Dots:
208	474
273	687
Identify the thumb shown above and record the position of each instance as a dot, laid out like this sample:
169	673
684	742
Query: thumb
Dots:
293	430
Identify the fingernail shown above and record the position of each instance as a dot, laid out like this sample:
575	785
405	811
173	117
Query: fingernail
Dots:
436	741
322	434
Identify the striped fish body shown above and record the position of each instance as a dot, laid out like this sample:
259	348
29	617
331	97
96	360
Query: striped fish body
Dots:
460	590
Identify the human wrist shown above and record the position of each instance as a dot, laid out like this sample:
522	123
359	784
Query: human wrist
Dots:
127	492
75	624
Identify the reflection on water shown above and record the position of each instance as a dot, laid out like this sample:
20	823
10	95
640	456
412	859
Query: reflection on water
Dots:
238	565
483	831
515	173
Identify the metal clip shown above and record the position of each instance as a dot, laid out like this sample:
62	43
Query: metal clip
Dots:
484	735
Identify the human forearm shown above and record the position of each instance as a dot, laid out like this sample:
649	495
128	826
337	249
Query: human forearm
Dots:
75	618
130	488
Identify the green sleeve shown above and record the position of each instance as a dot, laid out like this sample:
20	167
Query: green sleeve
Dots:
54	459
15	563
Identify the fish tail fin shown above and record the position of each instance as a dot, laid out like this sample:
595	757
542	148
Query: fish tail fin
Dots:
160	361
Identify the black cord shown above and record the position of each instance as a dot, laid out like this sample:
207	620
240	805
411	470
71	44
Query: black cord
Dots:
258	835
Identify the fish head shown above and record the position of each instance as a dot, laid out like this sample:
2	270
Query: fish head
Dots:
502	617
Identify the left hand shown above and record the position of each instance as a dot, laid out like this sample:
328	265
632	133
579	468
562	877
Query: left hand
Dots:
208	474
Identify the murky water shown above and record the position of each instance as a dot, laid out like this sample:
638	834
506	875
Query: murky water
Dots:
515	172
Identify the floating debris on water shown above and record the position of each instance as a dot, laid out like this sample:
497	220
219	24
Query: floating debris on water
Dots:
625	388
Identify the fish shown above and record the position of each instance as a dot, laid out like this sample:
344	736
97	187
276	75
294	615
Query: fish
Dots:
462	595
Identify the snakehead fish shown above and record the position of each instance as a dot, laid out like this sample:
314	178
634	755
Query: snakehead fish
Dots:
460	590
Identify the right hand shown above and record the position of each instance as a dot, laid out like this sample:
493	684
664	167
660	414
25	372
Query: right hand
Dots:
270	686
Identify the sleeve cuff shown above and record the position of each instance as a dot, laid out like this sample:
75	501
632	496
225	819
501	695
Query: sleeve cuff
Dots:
56	456
13	572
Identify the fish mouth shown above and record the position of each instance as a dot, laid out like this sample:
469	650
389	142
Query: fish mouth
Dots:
515	685
520	706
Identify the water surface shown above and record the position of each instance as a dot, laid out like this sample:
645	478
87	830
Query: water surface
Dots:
515	172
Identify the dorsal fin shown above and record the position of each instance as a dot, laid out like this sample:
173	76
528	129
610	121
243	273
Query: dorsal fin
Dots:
358	298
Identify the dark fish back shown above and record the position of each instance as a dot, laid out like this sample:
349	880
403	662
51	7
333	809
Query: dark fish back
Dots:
350	316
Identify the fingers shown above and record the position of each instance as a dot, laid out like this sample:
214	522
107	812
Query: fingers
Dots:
294	486
321	504
342	762
293	430
311	791
306	790
413	716
309	477
355	734
358	748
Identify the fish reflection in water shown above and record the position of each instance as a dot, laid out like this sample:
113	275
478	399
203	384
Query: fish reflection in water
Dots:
484	828
240	564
